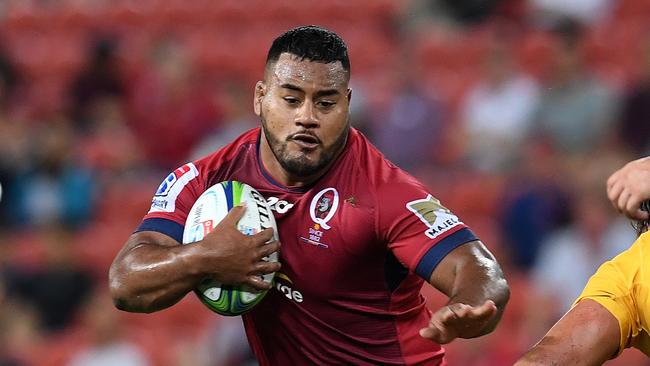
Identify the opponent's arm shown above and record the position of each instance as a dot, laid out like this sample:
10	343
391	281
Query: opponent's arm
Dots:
477	290
629	186
153	271
587	335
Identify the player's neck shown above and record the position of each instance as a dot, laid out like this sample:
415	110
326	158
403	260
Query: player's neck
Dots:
273	167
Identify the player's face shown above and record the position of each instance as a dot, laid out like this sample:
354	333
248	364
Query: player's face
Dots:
304	109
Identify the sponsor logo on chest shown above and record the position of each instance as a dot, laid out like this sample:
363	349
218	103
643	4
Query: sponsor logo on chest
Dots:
284	285
278	205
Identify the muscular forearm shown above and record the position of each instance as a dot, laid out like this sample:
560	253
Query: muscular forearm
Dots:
148	277
587	335
477	277
476	288
477	291
546	355
154	271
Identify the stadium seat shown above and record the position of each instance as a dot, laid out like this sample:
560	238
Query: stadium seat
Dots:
27	249
631	9
535	53
158	346
58	349
613	49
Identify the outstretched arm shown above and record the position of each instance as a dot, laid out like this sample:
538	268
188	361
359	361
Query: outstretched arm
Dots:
587	335
477	290
153	271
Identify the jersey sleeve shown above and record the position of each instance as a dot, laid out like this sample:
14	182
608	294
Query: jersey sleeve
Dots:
613	286
172	202
418	228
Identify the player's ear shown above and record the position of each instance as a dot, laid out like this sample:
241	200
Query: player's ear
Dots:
349	95
260	91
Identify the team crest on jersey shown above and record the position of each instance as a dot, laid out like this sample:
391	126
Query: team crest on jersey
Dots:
165	198
323	207
321	210
433	214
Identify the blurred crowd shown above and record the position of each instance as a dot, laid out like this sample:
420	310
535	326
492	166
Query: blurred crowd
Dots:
513	113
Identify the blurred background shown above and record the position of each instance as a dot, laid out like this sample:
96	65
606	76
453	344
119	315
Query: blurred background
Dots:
513	112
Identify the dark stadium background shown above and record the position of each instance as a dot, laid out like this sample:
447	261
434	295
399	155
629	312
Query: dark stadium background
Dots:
513	112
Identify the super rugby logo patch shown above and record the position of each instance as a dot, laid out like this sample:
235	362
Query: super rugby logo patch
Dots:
438	218
165	198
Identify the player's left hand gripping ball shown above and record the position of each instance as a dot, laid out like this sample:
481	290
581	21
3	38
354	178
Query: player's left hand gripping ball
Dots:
208	210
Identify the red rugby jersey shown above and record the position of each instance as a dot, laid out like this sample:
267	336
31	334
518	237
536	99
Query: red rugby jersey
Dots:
357	246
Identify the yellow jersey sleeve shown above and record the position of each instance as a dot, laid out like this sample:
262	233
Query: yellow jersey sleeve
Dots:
619	286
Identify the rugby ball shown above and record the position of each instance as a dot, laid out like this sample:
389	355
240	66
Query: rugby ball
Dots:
208	210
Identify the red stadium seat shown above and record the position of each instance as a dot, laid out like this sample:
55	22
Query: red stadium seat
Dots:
27	250
158	346
613	49
58	349
631	9
535	53
160	334
97	245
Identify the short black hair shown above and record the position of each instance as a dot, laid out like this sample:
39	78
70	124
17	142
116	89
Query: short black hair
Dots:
311	43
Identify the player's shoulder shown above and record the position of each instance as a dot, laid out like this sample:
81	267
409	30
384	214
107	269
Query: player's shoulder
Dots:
644	241
390	185
627	264
640	251
246	143
379	171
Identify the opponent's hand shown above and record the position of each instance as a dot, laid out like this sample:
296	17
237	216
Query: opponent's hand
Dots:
233	258
629	186
458	320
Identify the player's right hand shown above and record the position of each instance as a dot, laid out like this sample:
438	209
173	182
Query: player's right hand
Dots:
629	186
232	258
458	320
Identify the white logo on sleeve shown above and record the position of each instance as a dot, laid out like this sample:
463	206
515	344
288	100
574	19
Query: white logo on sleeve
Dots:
165	198
438	218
